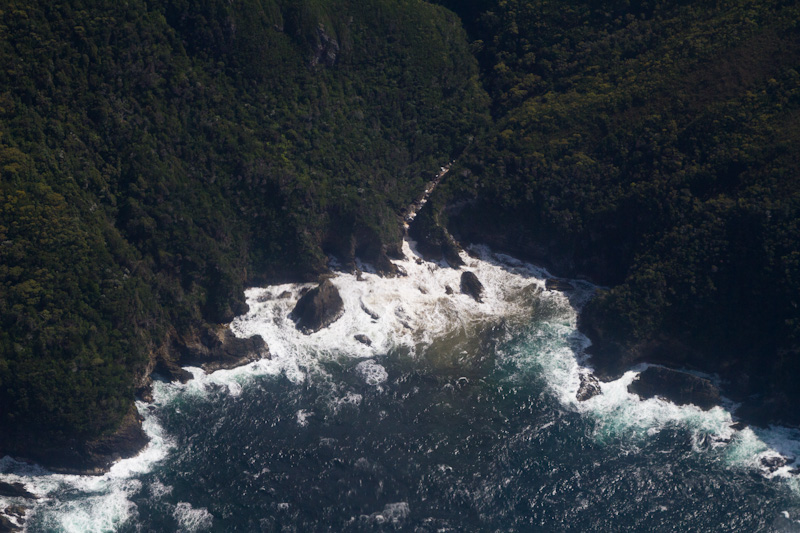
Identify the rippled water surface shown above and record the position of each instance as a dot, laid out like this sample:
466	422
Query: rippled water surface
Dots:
459	417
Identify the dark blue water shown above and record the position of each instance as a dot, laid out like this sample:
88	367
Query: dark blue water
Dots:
489	445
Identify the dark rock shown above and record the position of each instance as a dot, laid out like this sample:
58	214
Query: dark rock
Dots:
401	272
471	286
678	387
284	295
212	348
234	352
363	339
553	284
359	275
7	526
15	490
394	250
774	462
318	308
145	393
17	511
448	289
434	242
172	370
370	312
326	49
95	457
589	388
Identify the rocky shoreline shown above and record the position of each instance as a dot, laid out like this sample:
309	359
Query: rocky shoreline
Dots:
609	359
215	347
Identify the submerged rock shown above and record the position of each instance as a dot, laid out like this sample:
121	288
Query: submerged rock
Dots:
774	462
589	388
373	315
678	387
318	308
448	289
471	286
553	284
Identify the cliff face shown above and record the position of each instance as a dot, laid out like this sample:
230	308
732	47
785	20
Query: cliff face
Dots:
156	159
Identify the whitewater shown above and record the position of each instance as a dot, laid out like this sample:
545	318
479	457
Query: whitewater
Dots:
454	415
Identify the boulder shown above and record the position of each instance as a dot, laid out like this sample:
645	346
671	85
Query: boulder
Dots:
448	289
589	388
553	284
15	490
363	339
471	286
373	315
318	308
678	387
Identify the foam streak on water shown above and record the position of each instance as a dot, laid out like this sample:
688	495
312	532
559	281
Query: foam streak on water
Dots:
407	315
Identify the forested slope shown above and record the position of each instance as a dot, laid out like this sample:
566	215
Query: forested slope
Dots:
655	148
157	157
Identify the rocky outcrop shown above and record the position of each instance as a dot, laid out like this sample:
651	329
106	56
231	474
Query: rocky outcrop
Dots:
363	339
678	387
15	490
589	388
6	526
218	349
774	462
553	284
326	49
74	456
471	286
318	308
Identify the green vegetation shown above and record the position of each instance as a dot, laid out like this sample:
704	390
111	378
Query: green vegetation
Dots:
157	157
654	147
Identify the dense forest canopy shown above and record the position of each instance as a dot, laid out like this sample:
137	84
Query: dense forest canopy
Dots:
155	158
652	146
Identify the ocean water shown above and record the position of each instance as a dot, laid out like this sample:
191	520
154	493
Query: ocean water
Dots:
460	416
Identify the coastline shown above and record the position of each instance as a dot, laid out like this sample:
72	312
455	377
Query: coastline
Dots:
594	407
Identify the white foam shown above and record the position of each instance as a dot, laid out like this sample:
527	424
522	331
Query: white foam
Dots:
159	490
372	372
393	513
406	315
105	503
191	519
303	416
406	312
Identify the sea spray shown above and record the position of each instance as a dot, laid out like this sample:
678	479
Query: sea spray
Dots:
533	336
